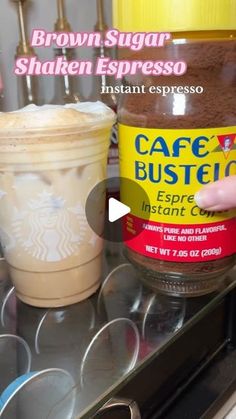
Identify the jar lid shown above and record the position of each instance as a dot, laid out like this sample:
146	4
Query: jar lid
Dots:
174	15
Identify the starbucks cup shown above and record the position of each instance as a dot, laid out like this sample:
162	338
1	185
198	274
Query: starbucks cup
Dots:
50	159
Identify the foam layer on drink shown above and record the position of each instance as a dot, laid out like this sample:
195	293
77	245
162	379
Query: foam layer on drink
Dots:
33	120
35	130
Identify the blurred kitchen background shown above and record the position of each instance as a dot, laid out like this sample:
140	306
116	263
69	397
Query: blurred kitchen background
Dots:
42	14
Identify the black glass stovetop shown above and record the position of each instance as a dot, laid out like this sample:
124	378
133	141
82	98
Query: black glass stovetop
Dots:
124	342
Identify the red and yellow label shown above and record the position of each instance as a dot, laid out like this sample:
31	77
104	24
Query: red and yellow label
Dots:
171	166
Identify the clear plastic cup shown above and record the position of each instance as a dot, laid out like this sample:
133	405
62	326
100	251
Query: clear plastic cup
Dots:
50	159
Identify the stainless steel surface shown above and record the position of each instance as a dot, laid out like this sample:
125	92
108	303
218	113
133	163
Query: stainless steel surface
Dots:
100	342
130	404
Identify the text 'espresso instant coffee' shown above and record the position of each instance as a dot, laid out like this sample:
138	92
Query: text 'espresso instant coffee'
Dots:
177	135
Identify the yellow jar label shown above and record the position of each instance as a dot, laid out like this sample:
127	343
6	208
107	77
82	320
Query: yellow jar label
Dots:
172	165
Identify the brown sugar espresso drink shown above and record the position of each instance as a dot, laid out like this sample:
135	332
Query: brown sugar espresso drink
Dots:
50	159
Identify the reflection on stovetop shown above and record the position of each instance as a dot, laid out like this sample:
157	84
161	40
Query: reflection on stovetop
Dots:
59	361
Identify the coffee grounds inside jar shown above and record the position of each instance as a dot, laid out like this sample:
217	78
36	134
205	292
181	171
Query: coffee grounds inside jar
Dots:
212	65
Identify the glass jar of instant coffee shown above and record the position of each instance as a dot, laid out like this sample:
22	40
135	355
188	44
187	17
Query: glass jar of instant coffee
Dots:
178	133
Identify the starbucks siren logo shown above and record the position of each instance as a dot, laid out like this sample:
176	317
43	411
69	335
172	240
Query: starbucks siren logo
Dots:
48	225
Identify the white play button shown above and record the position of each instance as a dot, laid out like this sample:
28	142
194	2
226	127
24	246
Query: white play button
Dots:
117	210
121	221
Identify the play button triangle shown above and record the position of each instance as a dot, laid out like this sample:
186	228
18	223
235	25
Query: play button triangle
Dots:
117	210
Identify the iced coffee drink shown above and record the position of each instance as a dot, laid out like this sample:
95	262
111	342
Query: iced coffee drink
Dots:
50	159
